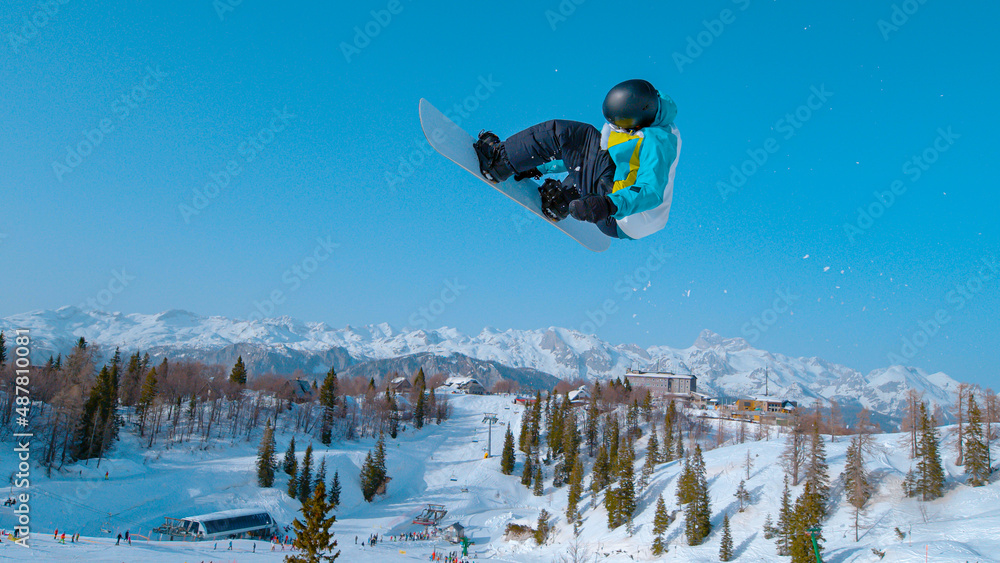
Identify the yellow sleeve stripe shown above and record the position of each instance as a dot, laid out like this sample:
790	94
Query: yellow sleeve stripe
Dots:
617	138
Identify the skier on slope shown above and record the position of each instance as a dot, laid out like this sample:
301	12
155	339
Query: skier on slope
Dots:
620	178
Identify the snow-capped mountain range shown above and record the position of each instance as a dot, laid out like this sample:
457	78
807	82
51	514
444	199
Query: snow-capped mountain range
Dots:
724	366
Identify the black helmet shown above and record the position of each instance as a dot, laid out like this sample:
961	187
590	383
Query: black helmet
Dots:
632	104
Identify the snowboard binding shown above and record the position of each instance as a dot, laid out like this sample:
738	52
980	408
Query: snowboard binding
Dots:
556	199
493	162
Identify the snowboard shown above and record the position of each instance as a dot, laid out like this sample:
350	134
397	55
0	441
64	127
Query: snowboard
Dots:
455	144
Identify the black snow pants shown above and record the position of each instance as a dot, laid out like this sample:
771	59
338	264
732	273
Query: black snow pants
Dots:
578	145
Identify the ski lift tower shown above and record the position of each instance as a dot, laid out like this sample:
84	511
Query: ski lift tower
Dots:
491	419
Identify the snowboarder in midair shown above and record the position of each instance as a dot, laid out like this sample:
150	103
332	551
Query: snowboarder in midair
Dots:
620	178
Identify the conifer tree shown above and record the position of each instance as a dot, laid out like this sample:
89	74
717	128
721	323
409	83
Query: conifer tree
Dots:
817	472
394	414
328	402
3	350
293	482
419	411
660	522
305	476
976	462
611	505
653	447
320	473
590	425
930	474
555	427
538	487
742	495
726	547
769	530
432	408
373	472
507	459
266	462
536	420
857	486
786	516
679	448
685	483
698	513
805	517
571	442
575	491
147	398
335	490
632	420
239	373
602	470
626	502
419	380
523	442
313	537
289	464
542	527
380	458
368	477
528	473
613	439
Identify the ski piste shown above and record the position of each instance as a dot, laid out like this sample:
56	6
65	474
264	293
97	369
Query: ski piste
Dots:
455	144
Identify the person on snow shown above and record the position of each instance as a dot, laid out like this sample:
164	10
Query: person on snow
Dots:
620	178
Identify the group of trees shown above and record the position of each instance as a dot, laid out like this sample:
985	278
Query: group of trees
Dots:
615	418
692	493
804	458
83	403
374	476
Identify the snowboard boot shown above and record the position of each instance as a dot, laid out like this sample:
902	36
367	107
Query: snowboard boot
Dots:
493	163
556	199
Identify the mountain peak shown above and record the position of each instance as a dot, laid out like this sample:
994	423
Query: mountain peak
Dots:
724	366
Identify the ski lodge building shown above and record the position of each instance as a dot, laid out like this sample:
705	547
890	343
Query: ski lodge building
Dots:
465	385
771	410
666	385
227	524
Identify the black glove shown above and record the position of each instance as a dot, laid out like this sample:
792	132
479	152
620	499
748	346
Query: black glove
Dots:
533	173
593	209
556	199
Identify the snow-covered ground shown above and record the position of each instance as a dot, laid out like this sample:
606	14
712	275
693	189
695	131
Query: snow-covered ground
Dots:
445	464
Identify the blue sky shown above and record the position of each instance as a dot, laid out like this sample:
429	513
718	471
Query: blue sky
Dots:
312	130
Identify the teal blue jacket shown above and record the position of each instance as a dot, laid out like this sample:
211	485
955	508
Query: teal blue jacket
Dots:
640	176
642	161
